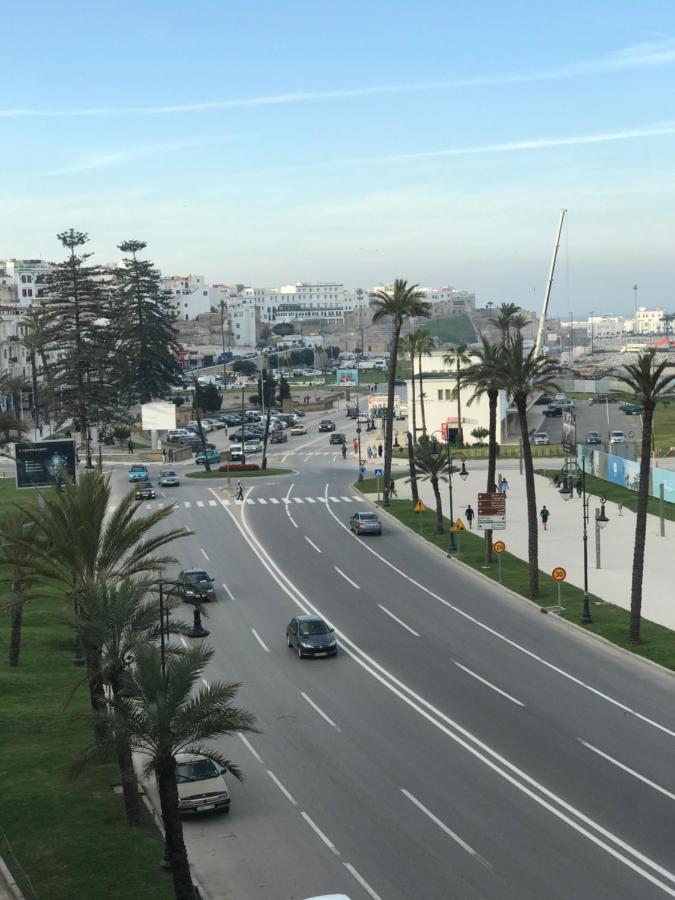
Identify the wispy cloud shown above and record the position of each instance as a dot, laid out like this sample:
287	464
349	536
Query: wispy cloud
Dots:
638	56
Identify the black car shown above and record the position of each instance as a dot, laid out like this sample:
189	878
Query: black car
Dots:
593	437
299	412
249	433
278	437
551	411
311	636
145	491
196	584
326	425
543	400
337	438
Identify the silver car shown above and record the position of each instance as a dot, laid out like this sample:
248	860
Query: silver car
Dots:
168	478
365	523
201	785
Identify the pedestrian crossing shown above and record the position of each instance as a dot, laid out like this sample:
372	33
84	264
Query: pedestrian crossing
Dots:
250	501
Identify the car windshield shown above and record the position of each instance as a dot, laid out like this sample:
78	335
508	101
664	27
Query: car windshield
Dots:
313	627
196	770
137	469
197	578
368	517
167	473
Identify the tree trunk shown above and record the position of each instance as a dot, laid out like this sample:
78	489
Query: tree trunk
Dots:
33	372
132	803
413	473
439	506
173	832
422	409
389	421
532	524
640	528
460	430
414	410
92	656
15	637
491	488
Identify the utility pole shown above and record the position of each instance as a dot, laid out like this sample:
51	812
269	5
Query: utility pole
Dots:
635	290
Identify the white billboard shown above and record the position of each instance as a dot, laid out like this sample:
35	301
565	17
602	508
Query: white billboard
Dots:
158	416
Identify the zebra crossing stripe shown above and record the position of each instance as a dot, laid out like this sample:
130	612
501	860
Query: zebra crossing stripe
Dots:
310	499
335	499
200	503
251	501
274	500
225	502
346	499
262	500
322	500
213	503
298	499
285	500
187	504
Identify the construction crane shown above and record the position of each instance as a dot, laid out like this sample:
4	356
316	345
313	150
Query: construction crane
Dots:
549	285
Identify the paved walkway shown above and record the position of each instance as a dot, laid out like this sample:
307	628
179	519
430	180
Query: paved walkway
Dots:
561	544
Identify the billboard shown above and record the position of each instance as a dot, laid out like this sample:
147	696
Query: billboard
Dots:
347	377
569	432
45	463
158	416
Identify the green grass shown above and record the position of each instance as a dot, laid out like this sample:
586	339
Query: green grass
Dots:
452	329
506	451
611	622
617	494
259	474
369	485
62	839
664	427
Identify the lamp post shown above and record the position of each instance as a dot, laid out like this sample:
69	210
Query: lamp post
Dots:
600	522
463	474
358	437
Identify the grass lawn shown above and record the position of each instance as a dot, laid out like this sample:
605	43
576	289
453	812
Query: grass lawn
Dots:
452	329
369	485
664	427
609	621
62	839
258	474
506	451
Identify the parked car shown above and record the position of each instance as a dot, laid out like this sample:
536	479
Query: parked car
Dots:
205	426
145	491
299	429
299	412
176	435
617	437
631	409
311	636
168	478
213	456
195	444
551	411
254	446
201	785
593	437
543	400
365	523
279	437
540	439
138	472
214	423
196	584
336	438
326	425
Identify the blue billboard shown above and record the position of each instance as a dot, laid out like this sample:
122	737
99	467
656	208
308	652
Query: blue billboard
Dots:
347	377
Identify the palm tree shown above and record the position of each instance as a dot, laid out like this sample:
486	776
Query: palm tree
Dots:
425	346
507	318
400	304
433	467
649	385
409	347
166	715
525	374
458	357
15	571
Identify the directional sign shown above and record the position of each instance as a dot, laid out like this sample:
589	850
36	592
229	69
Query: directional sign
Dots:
491	512
499	546
378	473
419	507
558	574
458	526
362	470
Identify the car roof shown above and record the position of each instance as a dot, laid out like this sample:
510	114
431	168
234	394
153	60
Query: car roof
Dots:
194	571
309	619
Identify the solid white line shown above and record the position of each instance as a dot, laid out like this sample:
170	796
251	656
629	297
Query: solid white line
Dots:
200	503
184	642
331	846
488	683
347	578
657	787
252	749
260	640
362	881
396	619
228	591
287	794
205	682
204	554
319	710
292	521
312	544
212	503
427	812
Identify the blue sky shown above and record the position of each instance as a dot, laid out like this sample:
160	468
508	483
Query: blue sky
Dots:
268	142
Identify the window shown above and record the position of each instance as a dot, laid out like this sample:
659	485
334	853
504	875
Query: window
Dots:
440	395
448	394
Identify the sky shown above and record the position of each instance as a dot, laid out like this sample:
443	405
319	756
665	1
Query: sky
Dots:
265	142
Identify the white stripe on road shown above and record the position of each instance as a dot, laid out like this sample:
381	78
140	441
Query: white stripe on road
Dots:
443	826
335	499
251	748
204	554
488	683
287	794
315	827
310	499
292	521
362	881
274	500
200	503
250	500
312	544
347	578
322	500
396	619
319	710
286	500
346	499
260	640
298	499
224	501
262	500
228	591
212	503
187	504
615	762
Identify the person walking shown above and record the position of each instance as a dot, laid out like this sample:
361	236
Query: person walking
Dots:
544	514
469	515
355	444
392	489
380	450
504	486
344	451
40	429
370	452
579	486
170	455
163	454
130	445
240	491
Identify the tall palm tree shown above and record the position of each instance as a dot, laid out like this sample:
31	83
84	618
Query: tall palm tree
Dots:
458	357
433	467
402	303
409	347
649	385
425	347
166	715
504	320
526	374
16	574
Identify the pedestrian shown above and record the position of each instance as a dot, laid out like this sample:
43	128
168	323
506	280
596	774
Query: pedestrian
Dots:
69	433
370	452
396	443
130	445
469	515
504	486
380	450
40	429
544	514
163	454
392	488
240	491
355	444
579	486
170	455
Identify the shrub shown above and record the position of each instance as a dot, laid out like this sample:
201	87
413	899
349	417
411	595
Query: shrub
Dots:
240	467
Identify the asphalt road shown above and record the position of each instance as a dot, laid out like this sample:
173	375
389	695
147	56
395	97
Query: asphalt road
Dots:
599	417
460	745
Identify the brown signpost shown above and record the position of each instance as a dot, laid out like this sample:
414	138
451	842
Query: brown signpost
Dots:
491	512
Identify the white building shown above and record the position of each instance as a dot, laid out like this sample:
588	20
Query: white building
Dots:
600	327
13	356
191	296
243	319
308	300
27	277
649	321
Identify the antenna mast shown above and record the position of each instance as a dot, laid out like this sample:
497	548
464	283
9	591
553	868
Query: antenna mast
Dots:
549	285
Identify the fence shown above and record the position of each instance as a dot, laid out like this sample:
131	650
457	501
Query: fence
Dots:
626	472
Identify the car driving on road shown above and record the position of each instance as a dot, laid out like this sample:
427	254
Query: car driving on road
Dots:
326	425
298	429
593	437
196	584
365	523
553	411
311	636
617	437
145	491
213	456
540	439
279	437
168	478
201	785
336	438
138	472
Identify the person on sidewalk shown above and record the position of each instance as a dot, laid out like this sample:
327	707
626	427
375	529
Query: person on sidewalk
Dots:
170	455
130	445
370	452
579	486
240	491
544	514
163	454
504	486
380	450
392	489
469	515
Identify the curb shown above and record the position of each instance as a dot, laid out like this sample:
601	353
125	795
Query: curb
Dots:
11	883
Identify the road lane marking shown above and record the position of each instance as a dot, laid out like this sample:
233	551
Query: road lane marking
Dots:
204	554
200	503
335	499
260	640
452	834
312	544
331	846
250	500
322	500
319	710
292	521
362	881
310	499
630	771
287	794
212	503
346	499
262	500
488	683
347	578
224	501
187	504
228	591
298	499
274	500
285	500
396	619
251	748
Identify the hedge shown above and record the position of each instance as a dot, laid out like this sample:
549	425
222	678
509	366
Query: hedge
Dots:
240	467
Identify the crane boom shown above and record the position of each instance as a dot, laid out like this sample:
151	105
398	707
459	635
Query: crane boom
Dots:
549	285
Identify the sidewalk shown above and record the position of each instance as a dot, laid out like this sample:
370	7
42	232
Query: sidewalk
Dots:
562	545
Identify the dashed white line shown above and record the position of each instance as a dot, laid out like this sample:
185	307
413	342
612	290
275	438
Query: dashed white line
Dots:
200	503
228	591
362	881
347	578
427	812
312	544
319	710
212	503
287	794
396	619
204	554
331	846
615	762
251	748
488	683
260	640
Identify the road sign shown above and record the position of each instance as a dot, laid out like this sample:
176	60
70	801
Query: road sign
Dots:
458	526
558	574
499	546
491	512
378	473
419	507
45	463
362	470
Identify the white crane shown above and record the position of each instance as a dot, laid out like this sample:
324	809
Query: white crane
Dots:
549	285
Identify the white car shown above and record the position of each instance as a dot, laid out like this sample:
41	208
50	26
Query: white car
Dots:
617	437
168	478
201	785
205	425
541	439
299	429
253	447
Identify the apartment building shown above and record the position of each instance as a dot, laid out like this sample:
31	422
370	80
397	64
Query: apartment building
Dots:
649	321
22	281
191	296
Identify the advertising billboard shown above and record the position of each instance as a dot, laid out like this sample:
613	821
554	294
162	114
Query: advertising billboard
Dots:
569	432
347	377
45	463
158	416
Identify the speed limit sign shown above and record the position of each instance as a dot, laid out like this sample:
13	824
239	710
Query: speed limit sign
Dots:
499	546
558	574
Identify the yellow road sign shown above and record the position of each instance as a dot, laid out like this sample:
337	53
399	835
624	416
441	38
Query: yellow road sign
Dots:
419	507
458	526
558	574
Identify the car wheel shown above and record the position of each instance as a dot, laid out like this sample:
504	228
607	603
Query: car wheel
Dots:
288	641
299	652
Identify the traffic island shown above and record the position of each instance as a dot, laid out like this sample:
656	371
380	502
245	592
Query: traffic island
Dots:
260	473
